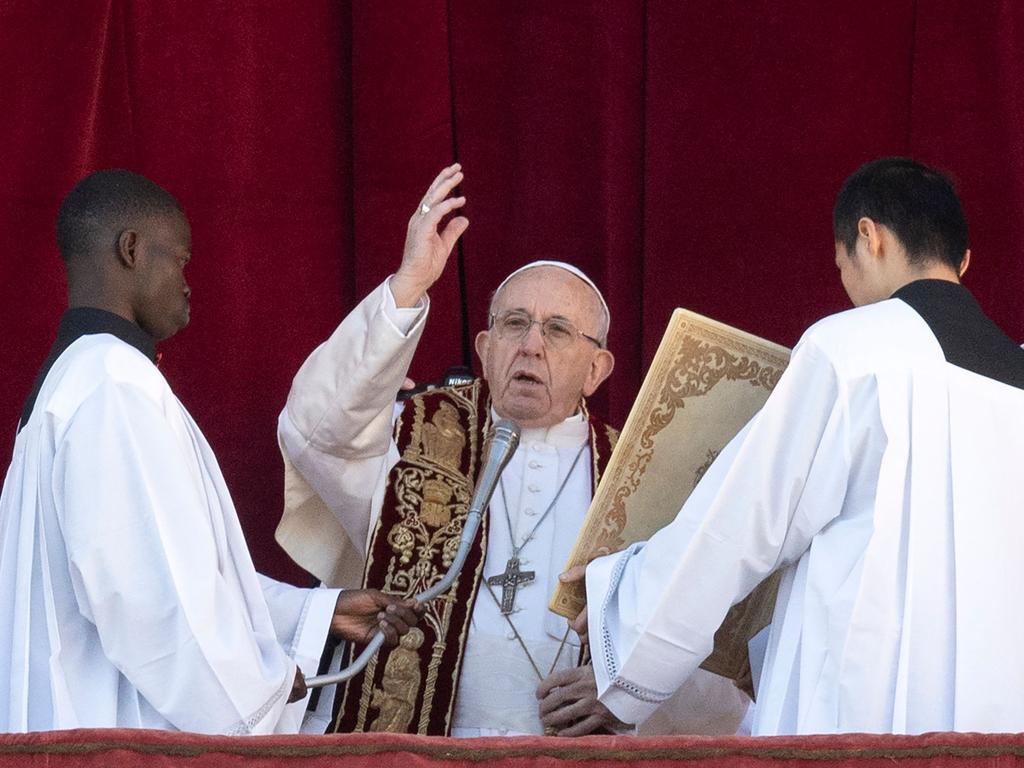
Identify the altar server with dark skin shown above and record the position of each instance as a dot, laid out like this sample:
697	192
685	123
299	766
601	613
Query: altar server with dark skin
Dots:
128	598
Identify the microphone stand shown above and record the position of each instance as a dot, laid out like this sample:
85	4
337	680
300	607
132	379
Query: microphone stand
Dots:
502	444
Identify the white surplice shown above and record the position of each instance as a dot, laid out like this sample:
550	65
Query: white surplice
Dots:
335	434
886	481
127	594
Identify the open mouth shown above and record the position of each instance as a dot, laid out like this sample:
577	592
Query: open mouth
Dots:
522	377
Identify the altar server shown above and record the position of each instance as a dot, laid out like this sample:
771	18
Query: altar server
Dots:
882	475
127	594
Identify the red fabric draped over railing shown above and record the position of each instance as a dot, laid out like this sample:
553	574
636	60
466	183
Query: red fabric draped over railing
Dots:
681	153
155	749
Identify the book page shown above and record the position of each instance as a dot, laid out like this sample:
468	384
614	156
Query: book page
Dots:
706	381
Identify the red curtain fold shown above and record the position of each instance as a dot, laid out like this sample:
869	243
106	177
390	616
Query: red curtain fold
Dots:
684	154
968	117
756	113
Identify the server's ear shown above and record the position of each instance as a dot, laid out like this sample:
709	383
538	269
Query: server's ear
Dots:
870	237
127	245
965	262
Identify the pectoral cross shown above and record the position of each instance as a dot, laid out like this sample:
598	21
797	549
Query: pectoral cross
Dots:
510	581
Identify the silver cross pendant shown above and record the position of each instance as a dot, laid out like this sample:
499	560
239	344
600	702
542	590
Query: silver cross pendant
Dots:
510	581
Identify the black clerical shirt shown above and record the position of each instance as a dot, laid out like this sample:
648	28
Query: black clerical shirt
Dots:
85	321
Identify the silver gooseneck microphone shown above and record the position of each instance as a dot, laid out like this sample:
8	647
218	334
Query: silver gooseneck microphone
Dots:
501	445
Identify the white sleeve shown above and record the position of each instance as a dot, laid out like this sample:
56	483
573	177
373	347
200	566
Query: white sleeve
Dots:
335	435
341	399
705	705
146	570
302	619
654	608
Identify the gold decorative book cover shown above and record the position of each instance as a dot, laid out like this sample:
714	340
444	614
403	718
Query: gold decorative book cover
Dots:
706	381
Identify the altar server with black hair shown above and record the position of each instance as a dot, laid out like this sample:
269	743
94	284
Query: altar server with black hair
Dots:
882	475
127	594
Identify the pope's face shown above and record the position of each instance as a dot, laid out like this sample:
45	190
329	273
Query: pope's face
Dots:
530	381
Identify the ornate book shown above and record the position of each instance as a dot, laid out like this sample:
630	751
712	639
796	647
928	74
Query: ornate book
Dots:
706	381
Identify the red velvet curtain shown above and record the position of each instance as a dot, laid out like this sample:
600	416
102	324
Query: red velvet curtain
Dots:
683	153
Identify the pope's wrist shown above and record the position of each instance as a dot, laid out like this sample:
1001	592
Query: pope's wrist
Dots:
407	292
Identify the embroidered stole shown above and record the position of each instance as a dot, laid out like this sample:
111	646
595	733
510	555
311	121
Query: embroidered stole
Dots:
411	688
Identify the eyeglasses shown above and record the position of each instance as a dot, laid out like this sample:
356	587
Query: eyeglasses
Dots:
558	332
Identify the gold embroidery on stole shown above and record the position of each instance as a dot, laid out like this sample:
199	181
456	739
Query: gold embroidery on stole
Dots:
395	700
431	488
433	496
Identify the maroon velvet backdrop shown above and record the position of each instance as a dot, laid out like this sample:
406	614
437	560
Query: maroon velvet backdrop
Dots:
683	153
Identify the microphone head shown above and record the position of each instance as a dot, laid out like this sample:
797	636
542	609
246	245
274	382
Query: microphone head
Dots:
505	434
499	446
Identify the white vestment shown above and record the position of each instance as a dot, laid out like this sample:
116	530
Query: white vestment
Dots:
127	594
884	480
336	437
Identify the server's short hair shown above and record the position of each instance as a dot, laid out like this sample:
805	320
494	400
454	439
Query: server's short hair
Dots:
915	202
102	205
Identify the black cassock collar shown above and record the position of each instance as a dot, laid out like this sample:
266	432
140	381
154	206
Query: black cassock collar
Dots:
86	321
968	338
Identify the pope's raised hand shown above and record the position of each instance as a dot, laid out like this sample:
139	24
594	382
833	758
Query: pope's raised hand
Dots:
427	243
